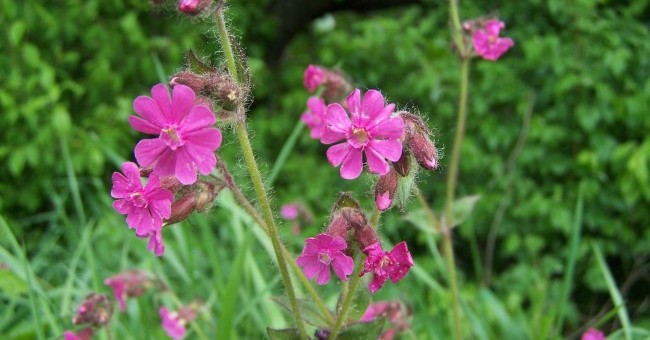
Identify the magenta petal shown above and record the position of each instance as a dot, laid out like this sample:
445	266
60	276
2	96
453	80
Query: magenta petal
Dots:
149	110
493	27
377	282
203	159
182	102
337	244
390	149
392	128
141	125
352	164
310	265
199	117
122	206
160	94
328	136
147	151
337	153
354	101
343	266
376	163
372	104
336	119
166	163
383	201
156	243
324	275
184	170
209	138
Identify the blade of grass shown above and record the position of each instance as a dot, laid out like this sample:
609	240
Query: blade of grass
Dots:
572	257
284	153
72	271
613	291
72	182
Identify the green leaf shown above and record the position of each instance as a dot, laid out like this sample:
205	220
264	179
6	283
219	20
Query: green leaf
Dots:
362	330
308	310
418	217
360	302
11	284
197	65
462	209
283	334
345	200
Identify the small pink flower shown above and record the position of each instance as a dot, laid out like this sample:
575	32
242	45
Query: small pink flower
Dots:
487	42
144	207
593	334
290	211
372	131
314	117
374	311
313	78
84	334
192	7
131	283
186	139
320	252
173	324
394	264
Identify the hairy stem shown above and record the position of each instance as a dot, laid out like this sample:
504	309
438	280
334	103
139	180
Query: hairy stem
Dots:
254	214
347	300
452	177
258	184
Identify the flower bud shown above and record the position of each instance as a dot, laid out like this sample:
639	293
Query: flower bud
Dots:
215	85
385	190
206	195
355	217
170	183
338	226
417	139
403	164
334	82
193	7
132	283
96	309
366	236
182	208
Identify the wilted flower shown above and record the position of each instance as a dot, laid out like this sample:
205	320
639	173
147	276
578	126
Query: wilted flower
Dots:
96	310
144	207
394	264
322	251
372	131
132	283
314	117
487	42
186	139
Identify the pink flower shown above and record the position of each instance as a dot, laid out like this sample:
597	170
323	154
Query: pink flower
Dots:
313	78
131	283
593	334
320	252
186	139
372	131
290	211
192	7
144	207
374	311
314	117
394	264
173	324
487	42
84	334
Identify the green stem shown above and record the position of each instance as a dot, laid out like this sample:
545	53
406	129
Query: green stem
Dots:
452	178
256	178
347	301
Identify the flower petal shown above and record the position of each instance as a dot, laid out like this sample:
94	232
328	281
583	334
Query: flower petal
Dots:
199	117
185	169
160	94
209	138
147	151
324	275
182	102
144	126
371	106
343	266
336	119
310	265
352	164
149	110
354	102
376	163
390	149
392	128
337	153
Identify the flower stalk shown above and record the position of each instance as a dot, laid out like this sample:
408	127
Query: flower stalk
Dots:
256	178
347	300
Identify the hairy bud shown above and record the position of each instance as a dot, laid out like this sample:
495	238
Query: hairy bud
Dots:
385	190
338	226
355	217
215	85
182	208
403	164
417	139
193	7
366	236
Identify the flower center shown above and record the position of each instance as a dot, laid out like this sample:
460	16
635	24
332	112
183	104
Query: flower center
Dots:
324	258
360	136
171	137
385	262
138	200
492	39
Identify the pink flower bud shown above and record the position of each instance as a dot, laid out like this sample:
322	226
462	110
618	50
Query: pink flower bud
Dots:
338	226
182	208
193	7
366	237
593	334
355	217
84	334
403	164
418	141
385	190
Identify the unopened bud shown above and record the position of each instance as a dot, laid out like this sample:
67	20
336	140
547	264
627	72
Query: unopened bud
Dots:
182	209
366	236
193	7
403	164
385	190
206	195
355	217
170	183
417	139
194	81
338	226
96	310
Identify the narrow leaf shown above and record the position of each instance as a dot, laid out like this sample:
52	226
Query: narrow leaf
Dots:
196	65
283	334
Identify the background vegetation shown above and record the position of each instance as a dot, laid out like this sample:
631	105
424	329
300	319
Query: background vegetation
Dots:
574	91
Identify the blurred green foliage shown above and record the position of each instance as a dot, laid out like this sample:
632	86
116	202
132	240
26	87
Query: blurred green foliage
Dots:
69	71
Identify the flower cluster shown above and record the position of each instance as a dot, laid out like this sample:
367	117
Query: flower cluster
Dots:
184	145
